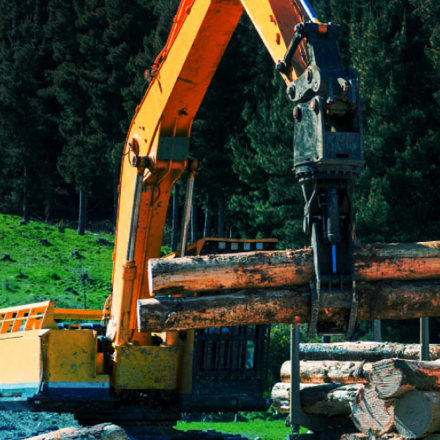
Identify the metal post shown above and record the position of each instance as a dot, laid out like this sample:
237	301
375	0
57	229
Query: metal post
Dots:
424	339
135	217
294	374
186	212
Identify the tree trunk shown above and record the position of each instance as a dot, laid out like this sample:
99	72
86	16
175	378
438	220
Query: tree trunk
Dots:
329	371
326	399
25	205
364	351
104	431
394	377
417	414
206	221
82	212
399	300
273	269
220	217
377	330
372	415
115	195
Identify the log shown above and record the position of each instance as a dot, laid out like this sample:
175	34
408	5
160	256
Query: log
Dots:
274	269
104	431
417	414
389	436
395	377
329	372
364	351
383	300
325	399
372	415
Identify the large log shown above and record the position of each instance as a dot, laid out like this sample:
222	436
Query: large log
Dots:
395	377
364	351
372	415
329	372
325	399
274	269
417	414
105	431
382	300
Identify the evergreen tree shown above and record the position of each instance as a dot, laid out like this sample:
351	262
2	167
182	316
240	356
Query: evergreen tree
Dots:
27	142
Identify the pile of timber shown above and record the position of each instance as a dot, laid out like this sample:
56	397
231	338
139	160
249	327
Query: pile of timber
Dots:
392	398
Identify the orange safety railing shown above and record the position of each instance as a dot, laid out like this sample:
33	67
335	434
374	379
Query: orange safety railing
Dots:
41	316
22	318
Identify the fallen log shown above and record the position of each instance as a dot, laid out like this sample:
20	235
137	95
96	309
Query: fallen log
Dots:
324	399
372	415
383	300
274	269
417	414
329	372
104	431
395	377
364	351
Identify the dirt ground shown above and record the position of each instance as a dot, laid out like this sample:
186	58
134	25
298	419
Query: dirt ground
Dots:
16	425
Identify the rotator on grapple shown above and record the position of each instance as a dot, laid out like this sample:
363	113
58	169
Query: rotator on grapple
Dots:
327	161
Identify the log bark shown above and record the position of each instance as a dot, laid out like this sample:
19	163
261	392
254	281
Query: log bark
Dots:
384	300
372	415
104	431
364	351
329	372
417	414
395	377
274	269
389	436
326	399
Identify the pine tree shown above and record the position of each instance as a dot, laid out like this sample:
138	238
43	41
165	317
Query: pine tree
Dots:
27	116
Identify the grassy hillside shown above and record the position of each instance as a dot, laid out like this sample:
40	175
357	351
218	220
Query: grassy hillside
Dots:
38	262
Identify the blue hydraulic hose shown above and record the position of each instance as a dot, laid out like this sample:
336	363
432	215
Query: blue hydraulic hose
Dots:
309	10
334	258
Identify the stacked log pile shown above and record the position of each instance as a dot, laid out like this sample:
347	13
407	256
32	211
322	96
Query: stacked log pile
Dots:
390	398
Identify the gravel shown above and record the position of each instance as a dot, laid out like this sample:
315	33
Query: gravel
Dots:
23	424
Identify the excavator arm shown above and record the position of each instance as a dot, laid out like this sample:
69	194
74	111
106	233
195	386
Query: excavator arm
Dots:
327	157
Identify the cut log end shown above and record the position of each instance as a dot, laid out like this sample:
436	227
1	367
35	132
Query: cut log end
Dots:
416	414
370	414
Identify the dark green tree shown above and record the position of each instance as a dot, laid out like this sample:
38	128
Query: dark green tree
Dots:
27	126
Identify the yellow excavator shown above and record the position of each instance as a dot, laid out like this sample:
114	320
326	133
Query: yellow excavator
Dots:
111	371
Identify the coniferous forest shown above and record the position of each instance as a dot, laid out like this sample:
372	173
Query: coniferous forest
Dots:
71	75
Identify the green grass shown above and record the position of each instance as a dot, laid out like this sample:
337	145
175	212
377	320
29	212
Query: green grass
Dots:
69	270
265	429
